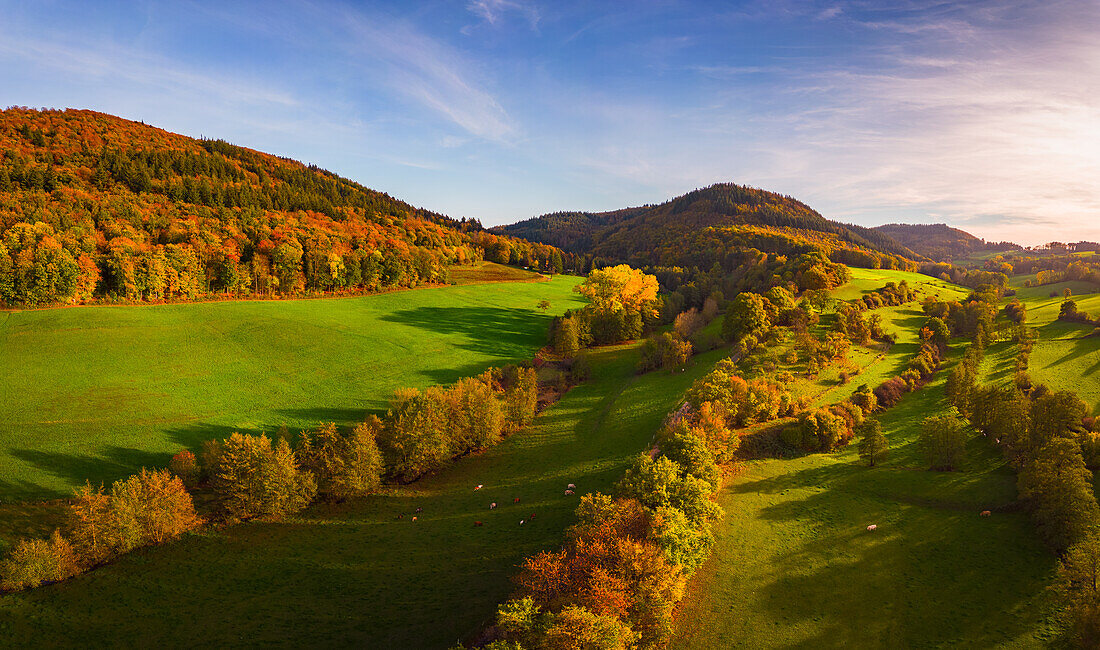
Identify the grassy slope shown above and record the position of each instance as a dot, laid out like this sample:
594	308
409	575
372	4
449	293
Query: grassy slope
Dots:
354	575
795	567
98	392
1063	358
876	364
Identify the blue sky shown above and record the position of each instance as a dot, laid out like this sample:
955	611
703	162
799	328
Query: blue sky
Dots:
985	115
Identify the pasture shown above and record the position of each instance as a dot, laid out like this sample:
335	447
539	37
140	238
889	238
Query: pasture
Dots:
95	393
353	574
795	567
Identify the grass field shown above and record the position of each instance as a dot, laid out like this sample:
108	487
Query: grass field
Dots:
795	567
1065	357
353	575
95	393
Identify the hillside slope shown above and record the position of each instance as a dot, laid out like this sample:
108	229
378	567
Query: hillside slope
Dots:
94	206
939	241
702	227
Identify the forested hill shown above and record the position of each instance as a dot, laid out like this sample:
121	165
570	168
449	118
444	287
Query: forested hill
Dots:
93	206
705	226
939	241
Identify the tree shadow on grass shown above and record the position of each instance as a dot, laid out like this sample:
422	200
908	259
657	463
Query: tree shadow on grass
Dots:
504	332
110	464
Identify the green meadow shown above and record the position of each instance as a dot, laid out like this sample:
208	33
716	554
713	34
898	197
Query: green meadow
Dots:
355	575
95	393
795	566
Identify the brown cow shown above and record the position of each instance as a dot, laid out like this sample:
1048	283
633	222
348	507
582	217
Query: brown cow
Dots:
984	513
477	523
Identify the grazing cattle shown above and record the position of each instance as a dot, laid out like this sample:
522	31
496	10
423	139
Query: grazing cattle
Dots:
531	517
419	509
569	493
477	523
515	500
492	505
478	487
571	487
521	522
985	513
401	516
414	518
872	527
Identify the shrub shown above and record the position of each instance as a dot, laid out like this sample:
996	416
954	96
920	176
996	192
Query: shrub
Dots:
36	561
184	466
253	478
890	392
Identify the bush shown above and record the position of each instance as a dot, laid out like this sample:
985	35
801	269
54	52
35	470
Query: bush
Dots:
253	478
890	392
184	466
36	561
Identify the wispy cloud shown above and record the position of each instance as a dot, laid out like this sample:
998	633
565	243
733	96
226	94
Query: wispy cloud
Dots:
429	72
494	11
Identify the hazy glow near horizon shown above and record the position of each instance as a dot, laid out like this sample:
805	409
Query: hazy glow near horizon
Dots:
984	115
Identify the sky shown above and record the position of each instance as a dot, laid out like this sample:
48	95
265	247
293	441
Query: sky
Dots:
983	115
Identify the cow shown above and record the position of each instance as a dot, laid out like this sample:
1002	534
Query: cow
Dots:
984	513
872	527
479	486
492	505
414	518
515	500
477	523
571	487
569	493
420	509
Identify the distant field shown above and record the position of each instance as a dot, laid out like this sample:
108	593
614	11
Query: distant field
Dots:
95	393
490	272
795	567
353	575
1064	357
867	280
876	363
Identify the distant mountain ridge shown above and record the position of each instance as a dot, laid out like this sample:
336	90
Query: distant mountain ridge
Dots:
693	228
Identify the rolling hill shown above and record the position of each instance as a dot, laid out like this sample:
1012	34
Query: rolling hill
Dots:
95	207
939	241
704	226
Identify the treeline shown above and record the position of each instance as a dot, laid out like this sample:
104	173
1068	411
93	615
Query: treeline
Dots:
97	208
624	565
251	476
1051	440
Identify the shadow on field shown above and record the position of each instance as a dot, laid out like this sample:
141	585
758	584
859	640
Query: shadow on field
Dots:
319	414
110	464
498	331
